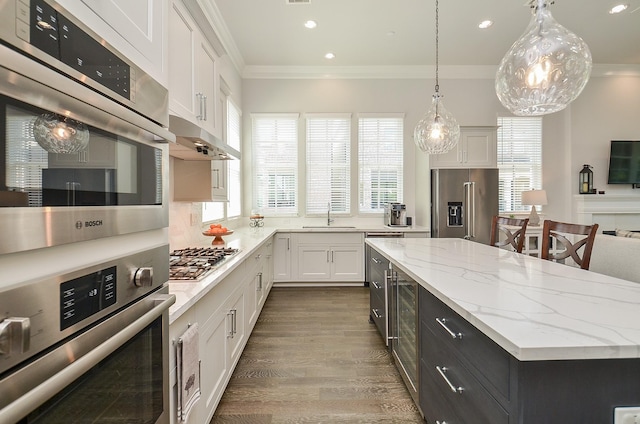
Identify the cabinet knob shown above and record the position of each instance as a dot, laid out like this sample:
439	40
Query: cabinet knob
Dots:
15	335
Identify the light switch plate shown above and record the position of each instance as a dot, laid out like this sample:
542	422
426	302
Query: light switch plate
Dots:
626	415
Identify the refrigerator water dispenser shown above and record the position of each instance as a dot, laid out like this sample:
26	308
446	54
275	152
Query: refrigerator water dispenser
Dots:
454	214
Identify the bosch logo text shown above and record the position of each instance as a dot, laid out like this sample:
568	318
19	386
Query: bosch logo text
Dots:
95	223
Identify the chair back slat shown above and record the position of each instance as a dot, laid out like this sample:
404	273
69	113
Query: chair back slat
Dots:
513	230
558	231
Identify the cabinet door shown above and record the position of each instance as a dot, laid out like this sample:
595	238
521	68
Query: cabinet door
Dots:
347	263
214	357
314	263
477	148
480	147
219	192
282	257
183	36
237	338
206	85
139	22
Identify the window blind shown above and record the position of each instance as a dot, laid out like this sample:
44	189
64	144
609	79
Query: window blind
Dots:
380	161
234	174
275	163
328	163
519	160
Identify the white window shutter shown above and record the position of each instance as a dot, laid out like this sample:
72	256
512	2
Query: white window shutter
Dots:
275	163
328	163
519	160
380	161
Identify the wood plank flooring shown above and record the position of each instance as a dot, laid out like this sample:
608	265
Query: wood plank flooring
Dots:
313	357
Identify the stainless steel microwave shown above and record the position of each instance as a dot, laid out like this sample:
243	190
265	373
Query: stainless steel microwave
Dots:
80	157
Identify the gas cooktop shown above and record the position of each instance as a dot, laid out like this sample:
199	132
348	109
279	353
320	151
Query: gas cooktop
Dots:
194	263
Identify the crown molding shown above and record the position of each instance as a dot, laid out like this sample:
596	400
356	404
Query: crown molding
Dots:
405	72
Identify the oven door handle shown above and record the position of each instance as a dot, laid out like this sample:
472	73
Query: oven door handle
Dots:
22	406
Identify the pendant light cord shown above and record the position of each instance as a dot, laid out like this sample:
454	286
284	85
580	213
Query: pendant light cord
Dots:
437	23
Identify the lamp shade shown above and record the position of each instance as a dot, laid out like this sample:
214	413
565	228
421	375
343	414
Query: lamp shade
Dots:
534	197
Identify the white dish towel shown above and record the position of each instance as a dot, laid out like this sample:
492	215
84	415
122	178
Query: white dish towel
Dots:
188	360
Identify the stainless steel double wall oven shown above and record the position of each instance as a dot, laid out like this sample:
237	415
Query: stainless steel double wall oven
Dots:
84	256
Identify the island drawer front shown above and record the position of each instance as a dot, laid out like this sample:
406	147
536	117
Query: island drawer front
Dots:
474	404
476	349
378	310
435	407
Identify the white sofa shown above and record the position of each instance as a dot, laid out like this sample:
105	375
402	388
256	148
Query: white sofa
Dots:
617	256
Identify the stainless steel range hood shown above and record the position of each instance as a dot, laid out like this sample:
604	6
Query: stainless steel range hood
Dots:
194	143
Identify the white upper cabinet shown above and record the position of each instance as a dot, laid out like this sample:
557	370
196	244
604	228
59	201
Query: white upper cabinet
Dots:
138	29
193	71
477	148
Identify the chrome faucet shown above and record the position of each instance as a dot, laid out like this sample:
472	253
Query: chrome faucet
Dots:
329	220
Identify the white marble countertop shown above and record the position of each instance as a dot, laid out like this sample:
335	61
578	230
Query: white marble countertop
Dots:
188	293
534	309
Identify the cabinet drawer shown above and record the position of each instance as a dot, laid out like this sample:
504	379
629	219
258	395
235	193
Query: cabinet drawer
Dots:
472	403
435	407
478	352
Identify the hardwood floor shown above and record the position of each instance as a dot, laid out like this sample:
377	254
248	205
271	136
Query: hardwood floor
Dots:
313	357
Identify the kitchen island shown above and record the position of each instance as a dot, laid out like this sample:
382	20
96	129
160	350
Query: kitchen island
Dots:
529	341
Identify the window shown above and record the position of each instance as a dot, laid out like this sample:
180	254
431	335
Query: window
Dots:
275	166
519	160
380	140
328	163
234	181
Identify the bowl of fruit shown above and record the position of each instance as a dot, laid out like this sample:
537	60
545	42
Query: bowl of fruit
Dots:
217	231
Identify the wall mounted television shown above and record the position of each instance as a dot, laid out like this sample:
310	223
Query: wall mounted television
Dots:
624	163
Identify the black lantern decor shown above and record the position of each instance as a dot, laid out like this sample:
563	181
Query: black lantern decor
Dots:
586	180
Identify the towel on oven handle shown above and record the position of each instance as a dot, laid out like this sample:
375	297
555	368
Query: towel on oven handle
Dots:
188	361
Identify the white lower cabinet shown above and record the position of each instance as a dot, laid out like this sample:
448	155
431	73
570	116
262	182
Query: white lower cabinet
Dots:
334	257
282	257
226	316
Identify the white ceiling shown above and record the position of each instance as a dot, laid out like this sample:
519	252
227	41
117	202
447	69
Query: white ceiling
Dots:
270	33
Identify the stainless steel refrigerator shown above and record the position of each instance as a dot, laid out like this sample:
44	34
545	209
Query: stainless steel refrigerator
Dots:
463	202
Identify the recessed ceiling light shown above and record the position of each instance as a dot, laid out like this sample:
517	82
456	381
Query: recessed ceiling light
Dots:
485	24
310	24
329	56
619	8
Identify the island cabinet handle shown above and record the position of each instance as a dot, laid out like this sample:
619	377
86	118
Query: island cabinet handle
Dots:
376	313
376	260
376	285
441	422
442	371
442	322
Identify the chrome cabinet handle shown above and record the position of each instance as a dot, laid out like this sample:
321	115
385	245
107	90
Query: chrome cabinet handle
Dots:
259	281
376	285
258	256
442	371
200	96
376	260
441	422
288	243
454	335
204	102
230	315
376	313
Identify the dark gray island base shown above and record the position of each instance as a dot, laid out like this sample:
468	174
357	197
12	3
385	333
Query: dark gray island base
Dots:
504	338
499	389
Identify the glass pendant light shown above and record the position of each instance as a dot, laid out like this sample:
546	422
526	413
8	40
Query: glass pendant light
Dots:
545	69
59	134
437	132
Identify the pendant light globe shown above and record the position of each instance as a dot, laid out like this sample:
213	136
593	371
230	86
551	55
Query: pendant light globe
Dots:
438	131
545	69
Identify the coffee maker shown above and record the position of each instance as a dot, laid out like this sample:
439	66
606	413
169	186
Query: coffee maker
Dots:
395	215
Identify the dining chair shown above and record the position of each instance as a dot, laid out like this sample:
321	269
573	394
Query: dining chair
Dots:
558	231
513	230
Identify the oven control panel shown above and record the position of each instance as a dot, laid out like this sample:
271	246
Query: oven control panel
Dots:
87	295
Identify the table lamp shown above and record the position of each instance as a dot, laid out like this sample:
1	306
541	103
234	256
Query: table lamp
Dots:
533	198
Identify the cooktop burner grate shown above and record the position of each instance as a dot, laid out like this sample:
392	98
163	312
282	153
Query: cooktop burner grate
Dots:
193	263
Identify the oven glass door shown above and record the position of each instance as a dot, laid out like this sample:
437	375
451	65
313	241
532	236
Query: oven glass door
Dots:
49	160
125	387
